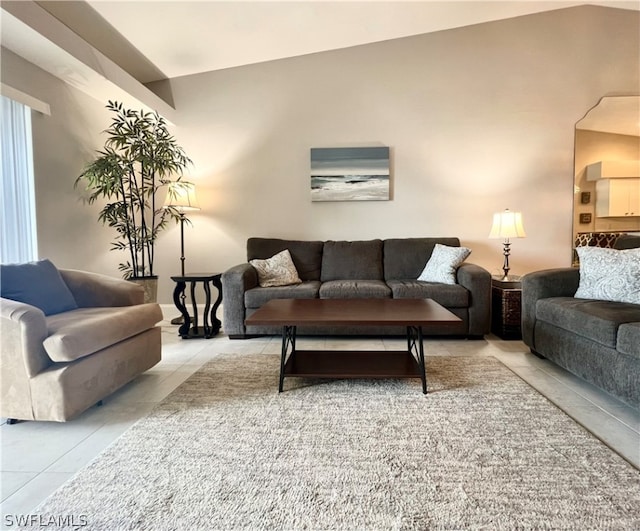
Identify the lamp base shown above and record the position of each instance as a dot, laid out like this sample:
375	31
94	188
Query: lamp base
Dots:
505	265
507	278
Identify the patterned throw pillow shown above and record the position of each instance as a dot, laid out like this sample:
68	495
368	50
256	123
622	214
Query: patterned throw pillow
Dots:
443	264
609	274
279	270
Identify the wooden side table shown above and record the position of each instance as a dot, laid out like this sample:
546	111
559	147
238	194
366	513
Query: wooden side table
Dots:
211	324
506	303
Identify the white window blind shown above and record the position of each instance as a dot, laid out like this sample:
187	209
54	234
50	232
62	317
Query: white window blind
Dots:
18	237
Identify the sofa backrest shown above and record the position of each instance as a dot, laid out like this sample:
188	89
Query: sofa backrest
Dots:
392	259
306	255
405	258
627	241
357	260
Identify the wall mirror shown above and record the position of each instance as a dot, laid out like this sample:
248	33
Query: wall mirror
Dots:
607	172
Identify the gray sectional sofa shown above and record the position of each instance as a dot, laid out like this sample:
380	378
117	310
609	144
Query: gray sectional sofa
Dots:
357	269
596	340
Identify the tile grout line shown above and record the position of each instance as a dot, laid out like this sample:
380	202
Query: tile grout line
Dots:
586	426
577	392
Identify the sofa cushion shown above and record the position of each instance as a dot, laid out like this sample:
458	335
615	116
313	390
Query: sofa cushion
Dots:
78	333
256	297
629	339
406	257
443	264
355	289
38	284
359	260
306	255
593	319
609	274
448	295
276	271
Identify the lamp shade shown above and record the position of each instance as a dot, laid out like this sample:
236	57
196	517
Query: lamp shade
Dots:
181	196
507	224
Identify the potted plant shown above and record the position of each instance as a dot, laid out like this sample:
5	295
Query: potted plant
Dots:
138	158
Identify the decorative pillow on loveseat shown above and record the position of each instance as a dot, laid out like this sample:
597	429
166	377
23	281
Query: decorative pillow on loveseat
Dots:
443	264
38	284
278	270
609	274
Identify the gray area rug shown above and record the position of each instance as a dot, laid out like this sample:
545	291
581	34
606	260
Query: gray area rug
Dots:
481	451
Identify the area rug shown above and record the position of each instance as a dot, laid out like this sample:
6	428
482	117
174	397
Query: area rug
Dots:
481	451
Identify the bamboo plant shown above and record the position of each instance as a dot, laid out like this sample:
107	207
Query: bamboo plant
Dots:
139	157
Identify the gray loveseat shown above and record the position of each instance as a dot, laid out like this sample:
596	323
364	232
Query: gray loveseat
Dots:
596	340
357	269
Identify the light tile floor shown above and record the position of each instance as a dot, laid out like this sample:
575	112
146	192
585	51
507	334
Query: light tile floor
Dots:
37	457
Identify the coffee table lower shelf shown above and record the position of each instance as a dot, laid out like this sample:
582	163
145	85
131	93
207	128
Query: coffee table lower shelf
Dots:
412	314
352	364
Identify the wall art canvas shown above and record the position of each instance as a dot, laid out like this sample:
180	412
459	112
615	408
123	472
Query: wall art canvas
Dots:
350	174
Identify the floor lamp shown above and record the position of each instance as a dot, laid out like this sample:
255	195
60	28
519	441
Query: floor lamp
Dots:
181	197
507	225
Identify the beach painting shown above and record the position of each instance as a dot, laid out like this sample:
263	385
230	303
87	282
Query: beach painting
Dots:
350	174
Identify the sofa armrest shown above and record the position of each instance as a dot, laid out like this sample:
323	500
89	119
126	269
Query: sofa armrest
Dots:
560	282
235	281
477	280
23	328
94	290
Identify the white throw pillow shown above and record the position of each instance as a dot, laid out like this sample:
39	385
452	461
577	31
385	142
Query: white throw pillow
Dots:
443	263
279	270
609	274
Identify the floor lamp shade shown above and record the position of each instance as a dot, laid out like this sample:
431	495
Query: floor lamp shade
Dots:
182	197
507	225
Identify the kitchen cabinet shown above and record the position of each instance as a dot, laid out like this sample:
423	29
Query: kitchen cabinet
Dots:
613	169
618	198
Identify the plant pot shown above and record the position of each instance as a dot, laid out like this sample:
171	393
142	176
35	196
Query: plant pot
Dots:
150	285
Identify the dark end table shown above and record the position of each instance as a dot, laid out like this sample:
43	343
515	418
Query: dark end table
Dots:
210	323
506	304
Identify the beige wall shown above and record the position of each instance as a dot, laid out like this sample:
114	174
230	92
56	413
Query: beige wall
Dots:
478	119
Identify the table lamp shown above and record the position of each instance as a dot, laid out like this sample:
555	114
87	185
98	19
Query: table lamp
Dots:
507	225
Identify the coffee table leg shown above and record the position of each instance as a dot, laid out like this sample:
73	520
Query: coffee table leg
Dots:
423	365
288	339
416	348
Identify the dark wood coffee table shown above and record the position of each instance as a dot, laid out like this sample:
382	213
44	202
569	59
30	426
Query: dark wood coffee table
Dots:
409	313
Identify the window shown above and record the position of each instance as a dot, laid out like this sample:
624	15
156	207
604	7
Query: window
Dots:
18	238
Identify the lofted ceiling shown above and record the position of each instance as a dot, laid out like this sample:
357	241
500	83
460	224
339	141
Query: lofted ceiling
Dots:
118	49
153	40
